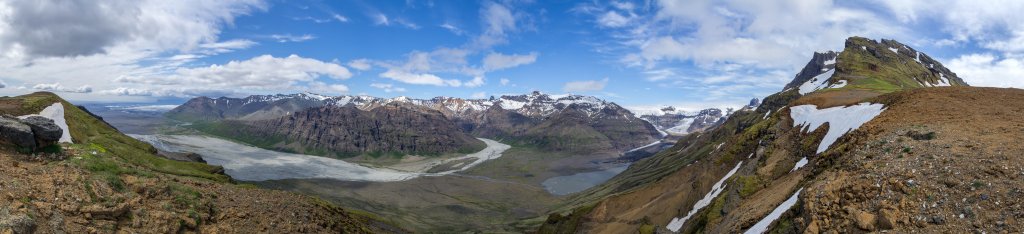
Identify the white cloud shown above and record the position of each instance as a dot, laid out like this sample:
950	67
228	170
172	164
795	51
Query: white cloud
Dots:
325	88
57	87
261	73
989	70
585	85
452	28
504	81
292	38
412	78
388	88
339	18
478	95
360	64
613	19
498	61
82	27
380	19
475	82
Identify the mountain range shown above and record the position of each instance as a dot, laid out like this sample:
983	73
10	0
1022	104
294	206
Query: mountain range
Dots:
354	125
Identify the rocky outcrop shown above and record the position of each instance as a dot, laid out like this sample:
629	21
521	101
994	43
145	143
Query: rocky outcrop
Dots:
45	130
32	132
17	133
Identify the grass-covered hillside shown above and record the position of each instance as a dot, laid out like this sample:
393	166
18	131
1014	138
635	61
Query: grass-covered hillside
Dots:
108	182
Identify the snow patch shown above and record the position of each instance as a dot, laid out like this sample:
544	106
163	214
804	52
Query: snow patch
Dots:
894	50
799	164
831	61
716	189
767	114
762	226
841	119
816	83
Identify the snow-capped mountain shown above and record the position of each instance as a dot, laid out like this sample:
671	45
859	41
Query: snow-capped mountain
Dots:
551	120
673	121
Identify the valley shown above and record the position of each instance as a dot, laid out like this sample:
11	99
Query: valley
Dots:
504	186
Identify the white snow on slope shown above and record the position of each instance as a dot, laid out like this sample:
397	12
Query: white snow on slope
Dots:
762	226
55	112
816	83
893	49
799	164
716	189
831	61
840	119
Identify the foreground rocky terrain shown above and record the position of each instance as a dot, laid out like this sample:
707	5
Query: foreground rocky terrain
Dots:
862	141
105	182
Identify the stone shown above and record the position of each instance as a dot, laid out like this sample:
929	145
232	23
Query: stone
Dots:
887	219
45	130
812	228
866	221
19	223
16	132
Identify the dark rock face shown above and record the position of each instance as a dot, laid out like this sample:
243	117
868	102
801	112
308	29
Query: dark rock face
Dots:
819	64
348	131
15	132
45	129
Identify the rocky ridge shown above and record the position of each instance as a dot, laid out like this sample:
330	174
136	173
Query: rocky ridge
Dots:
902	170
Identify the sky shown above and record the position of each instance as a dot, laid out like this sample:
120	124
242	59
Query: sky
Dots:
641	54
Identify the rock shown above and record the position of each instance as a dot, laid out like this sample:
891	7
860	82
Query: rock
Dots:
16	223
45	130
109	213
812	228
866	221
16	132
887	219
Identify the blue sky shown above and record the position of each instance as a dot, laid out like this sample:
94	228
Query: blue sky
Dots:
690	54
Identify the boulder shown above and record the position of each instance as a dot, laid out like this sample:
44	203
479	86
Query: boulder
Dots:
45	130
16	223
866	221
14	131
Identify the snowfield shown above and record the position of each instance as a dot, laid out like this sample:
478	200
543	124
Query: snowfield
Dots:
55	112
716	189
762	226
817	83
840	119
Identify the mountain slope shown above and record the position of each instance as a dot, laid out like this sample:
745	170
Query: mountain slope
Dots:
108	182
774	169
348	131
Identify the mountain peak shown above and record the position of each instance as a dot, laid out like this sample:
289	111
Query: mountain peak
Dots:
875	66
